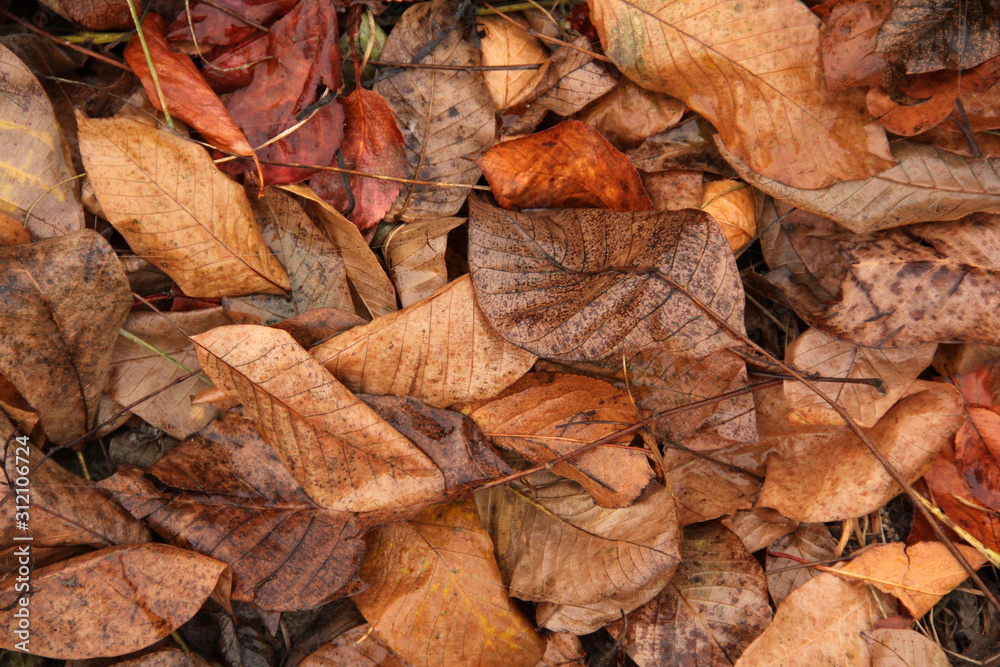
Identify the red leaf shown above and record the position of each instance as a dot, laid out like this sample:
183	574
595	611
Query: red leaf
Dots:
231	68
214	27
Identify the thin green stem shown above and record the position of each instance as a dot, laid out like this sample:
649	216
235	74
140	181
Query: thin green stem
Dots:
149	62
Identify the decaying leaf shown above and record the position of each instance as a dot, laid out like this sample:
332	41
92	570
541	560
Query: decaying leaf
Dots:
929	35
949	489
586	284
545	415
674	189
570	165
628	115
436	596
176	209
414	255
581	562
66	298
440	350
113	601
446	116
754	71
507	43
34	172
99	15
358	646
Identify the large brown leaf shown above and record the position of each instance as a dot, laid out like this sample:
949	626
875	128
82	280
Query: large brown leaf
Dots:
436	597
446	115
34	171
713	608
927	184
65	299
582	562
754	71
175	208
341	452
440	350
587	284
113	601
545	415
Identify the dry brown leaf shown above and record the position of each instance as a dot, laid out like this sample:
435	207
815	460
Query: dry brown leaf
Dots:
65	299
587	284
568	165
754	71
99	15
563	650
12	232
176	209
545	415
689	146
830	475
713	608
734	207
436	597
414	255
507	43
581	562
628	115
155	587
815	352
674	189
849	41
138	371
811	542
927	184
759	527
446	116
918	575
358	647
34	171
440	351
315	326
904	648
341	452
821	623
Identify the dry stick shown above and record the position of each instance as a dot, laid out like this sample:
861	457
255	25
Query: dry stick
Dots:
63	42
354	172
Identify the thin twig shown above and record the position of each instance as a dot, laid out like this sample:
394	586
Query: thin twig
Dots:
63	42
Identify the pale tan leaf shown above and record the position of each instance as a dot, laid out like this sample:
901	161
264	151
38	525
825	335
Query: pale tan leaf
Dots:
545	415
176	209
815	352
440	350
904	648
927	184
507	43
34	170
821	623
759	527
754	70
341	452
436	596
583	563
813	543
414	254
628	115
734	207
446	116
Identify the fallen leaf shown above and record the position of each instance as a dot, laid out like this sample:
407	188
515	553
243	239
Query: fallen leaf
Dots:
815	352
927	184
372	144
674	189
581	562
849	41
629	115
713	608
436	597
446	116
759	527
543	416
569	165
12	232
937	95
589	284
341	452
231	68
122	599
507	43
689	146
172	205
563	650
821	623
440	350
358	646
977	455
415	256
918	575
929	35
904	648
36	177
734	207
98	15
948	490
320	324
813	543
755	72
210	26
66	298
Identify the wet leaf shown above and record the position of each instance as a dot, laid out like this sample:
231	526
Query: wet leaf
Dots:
436	597
415	256
506	43
443	352
177	210
34	172
755	72
628	115
581	562
214	27
811	542
372	144
587	284
929	35
123	599
569	165
713	608
815	352
65	299
446	116
734	207
341	452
